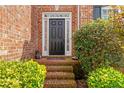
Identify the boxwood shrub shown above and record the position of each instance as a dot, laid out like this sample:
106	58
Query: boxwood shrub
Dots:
25	74
105	77
9	83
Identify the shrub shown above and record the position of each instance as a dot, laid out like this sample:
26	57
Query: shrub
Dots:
29	74
117	22
9	70
96	45
7	83
33	74
105	77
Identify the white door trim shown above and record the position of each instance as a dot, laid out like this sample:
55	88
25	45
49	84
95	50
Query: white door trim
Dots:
45	31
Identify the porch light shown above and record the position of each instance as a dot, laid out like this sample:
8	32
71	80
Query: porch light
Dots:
56	7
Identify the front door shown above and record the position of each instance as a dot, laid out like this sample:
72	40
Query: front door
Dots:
56	36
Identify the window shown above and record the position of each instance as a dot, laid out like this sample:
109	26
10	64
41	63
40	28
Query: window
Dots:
101	12
96	12
105	12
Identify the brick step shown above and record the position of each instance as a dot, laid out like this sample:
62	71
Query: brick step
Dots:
60	75
56	63
60	84
59	68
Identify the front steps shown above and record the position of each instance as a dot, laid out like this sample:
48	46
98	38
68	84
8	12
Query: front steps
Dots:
60	84
59	73
60	68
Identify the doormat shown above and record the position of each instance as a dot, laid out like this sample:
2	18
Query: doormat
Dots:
56	58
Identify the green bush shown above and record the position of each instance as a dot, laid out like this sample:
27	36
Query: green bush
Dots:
9	83
105	77
28	73
96	45
33	74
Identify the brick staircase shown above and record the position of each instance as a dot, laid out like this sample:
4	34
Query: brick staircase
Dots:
59	73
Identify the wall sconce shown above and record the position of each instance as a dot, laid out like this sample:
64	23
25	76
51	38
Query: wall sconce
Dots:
56	7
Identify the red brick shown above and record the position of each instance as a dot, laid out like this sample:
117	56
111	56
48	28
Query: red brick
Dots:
21	33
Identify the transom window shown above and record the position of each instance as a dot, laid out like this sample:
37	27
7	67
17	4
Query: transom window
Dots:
54	14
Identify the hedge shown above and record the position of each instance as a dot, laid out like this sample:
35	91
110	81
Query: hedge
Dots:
105	77
27	74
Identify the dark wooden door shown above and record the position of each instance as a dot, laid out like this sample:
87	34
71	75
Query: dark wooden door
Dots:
56	36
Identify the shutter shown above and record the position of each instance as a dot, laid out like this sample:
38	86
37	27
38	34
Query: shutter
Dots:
96	12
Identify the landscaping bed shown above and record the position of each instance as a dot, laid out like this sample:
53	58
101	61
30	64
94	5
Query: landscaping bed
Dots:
81	83
22	74
99	53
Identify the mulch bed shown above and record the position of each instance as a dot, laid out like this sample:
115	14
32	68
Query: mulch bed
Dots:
81	84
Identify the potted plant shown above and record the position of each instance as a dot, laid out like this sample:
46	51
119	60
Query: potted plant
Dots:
37	54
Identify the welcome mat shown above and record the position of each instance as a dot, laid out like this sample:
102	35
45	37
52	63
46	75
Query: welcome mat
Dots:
58	58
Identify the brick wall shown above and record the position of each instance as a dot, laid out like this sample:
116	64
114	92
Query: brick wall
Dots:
86	14
16	40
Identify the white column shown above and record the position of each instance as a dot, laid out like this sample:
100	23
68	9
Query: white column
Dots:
68	37
45	38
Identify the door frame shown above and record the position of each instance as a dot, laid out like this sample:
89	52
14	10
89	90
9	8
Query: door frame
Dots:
45	31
